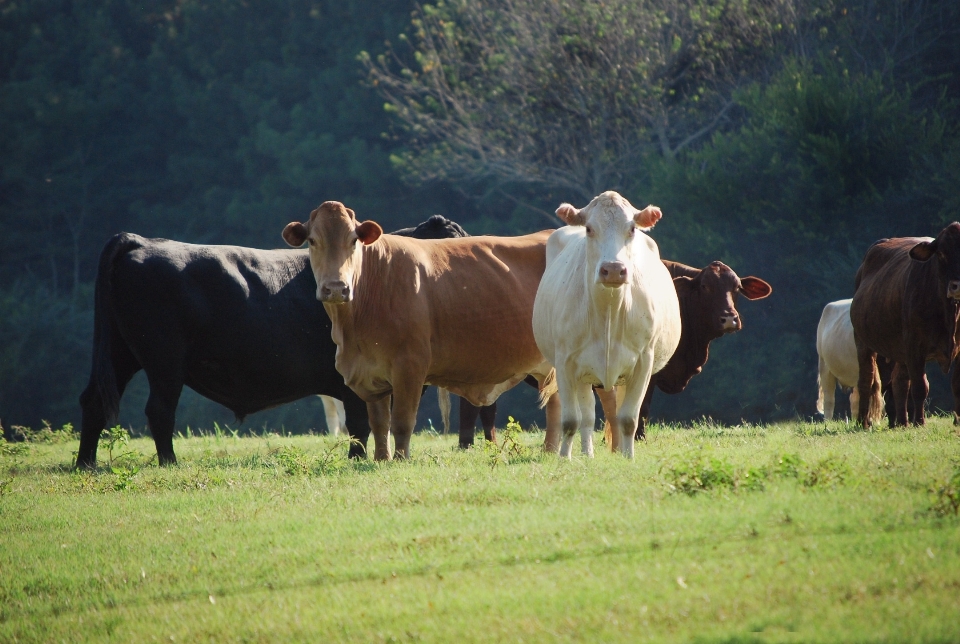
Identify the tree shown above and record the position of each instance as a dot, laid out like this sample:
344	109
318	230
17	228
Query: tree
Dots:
565	93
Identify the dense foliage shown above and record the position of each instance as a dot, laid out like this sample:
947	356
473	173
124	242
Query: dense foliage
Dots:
780	137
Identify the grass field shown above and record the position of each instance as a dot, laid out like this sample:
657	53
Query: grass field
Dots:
783	533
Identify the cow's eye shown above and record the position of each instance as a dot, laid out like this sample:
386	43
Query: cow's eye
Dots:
589	230
633	231
311	241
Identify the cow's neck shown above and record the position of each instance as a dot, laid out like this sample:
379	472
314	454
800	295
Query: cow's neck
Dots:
691	354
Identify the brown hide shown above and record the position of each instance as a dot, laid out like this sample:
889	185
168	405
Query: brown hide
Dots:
905	309
456	313
707	296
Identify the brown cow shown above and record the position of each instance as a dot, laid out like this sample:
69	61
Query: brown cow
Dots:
456	313
708	310
905	307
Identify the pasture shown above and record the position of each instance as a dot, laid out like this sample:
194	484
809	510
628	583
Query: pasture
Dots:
790	532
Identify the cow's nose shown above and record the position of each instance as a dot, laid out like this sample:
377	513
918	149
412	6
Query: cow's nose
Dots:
334	292
613	273
953	289
730	323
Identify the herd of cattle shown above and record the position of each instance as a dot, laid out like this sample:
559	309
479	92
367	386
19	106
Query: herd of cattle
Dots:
588	308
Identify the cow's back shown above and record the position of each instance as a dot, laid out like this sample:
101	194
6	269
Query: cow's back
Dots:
243	320
835	343
882	283
467	303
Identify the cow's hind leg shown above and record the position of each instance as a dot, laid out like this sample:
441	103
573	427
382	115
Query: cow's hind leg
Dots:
357	424
827	384
93	415
868	385
488	418
611	429
588	418
161	413
468	422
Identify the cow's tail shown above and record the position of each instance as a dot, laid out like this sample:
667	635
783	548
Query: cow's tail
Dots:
875	410
822	366
443	398
548	387
102	372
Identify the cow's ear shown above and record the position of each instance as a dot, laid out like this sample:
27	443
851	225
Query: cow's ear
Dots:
570	215
754	288
924	251
682	284
369	232
295	234
648	217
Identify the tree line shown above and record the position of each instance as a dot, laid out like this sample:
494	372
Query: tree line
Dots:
779	136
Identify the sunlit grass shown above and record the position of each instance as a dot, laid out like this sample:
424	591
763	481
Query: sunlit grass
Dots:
788	532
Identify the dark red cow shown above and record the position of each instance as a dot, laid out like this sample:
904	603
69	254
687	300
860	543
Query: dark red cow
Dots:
905	309
708	310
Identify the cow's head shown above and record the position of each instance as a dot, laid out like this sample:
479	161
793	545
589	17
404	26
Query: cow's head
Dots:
946	249
336	248
711	297
612	226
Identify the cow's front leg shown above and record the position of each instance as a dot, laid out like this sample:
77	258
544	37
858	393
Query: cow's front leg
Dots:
633	394
379	415
588	418
356	422
569	411
919	388
403	414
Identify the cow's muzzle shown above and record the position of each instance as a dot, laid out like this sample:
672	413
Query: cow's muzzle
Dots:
953	290
334	292
730	323
612	274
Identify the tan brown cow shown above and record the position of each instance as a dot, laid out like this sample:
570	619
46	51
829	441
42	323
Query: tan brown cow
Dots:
455	313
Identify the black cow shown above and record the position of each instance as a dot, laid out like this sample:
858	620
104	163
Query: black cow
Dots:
240	326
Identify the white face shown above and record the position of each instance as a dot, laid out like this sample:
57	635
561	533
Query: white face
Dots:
613	228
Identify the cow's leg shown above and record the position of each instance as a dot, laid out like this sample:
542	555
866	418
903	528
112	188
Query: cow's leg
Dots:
488	418
588	418
378	414
161	411
569	411
900	392
827	383
403	413
468	422
867	363
332	415
854	403
955	386
645	411
93	415
611	429
629	408
356	423
918	391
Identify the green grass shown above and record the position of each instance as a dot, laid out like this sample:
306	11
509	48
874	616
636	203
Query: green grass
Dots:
783	533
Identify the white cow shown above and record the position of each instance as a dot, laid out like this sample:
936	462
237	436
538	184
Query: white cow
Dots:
606	313
838	361
838	358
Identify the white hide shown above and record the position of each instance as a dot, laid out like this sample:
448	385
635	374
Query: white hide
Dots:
838	358
336	417
602	335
